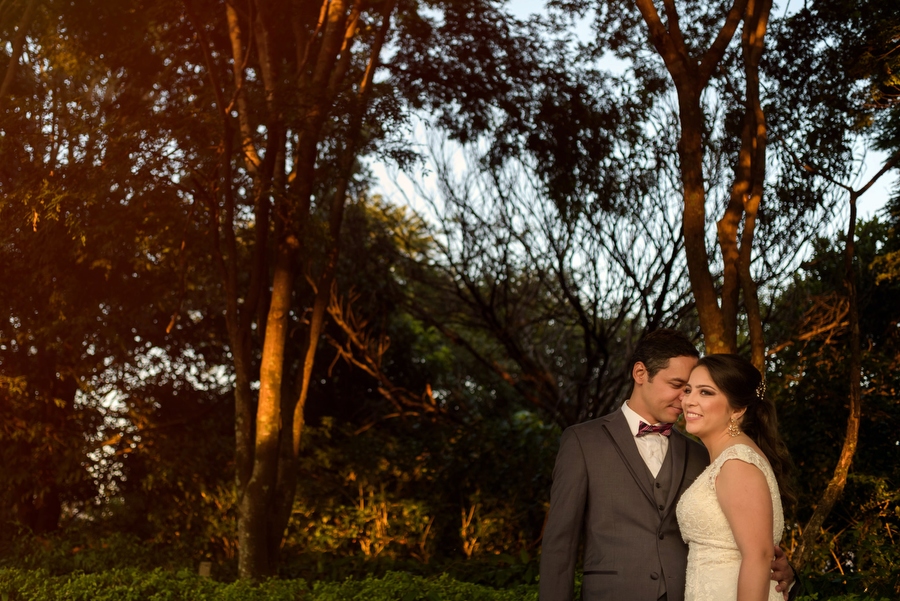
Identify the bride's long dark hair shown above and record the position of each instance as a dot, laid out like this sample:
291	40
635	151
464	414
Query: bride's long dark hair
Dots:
743	386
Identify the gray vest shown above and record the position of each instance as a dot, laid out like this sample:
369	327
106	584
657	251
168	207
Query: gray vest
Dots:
661	486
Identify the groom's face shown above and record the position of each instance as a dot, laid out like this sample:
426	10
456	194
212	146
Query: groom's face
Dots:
659	398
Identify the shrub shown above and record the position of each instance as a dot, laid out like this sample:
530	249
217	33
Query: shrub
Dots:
160	585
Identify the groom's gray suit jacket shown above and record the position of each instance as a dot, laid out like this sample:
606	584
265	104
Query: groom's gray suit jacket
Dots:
603	489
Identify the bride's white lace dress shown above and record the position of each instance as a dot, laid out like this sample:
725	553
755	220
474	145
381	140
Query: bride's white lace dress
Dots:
713	557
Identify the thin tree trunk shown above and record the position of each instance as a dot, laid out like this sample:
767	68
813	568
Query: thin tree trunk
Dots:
839	479
753	44
336	218
18	45
222	226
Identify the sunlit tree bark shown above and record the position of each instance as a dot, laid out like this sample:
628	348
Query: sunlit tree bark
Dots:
718	310
813	528
304	64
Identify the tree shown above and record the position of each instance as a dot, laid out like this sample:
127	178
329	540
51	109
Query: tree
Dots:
575	175
76	233
692	61
836	485
548	302
812	380
302	101
250	126
837	28
691	64
319	60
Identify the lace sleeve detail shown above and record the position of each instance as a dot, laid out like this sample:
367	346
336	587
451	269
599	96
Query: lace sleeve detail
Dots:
741	452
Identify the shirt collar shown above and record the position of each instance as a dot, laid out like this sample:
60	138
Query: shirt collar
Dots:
632	418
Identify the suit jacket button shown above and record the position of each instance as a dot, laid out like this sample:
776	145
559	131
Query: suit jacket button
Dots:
658	485
661	536
661	507
654	576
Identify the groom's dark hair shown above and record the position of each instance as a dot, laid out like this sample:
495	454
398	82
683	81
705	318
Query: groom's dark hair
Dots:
655	348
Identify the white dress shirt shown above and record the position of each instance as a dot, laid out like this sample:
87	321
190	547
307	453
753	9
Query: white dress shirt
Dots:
652	447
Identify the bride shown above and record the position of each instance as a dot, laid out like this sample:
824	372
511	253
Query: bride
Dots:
731	516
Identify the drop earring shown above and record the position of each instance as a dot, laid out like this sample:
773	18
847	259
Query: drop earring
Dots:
733	428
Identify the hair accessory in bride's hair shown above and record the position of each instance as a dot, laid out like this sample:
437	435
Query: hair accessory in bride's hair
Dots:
761	389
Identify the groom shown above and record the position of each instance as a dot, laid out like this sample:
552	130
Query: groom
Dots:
617	480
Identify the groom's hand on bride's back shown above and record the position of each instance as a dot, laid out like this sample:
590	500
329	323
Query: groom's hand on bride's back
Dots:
782	572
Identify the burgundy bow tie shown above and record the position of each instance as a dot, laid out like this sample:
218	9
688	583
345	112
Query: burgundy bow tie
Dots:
644	428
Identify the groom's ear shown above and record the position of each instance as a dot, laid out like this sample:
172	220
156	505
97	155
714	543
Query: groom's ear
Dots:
639	372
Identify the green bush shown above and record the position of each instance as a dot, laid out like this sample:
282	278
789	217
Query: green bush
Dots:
136	585
79	550
854	597
159	585
400	586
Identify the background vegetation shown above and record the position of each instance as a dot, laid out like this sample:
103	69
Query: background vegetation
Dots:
222	341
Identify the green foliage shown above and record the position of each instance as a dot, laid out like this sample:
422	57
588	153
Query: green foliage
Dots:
138	585
121	431
467	499
91	231
76	550
159	585
398	586
844	53
860	552
867	549
850	597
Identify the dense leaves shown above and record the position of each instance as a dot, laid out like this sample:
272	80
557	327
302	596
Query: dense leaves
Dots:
128	585
812	393
453	346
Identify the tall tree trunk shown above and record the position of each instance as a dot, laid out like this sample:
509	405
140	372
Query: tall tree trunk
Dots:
305	67
287	478
690	148
735	230
257	499
324	62
253	436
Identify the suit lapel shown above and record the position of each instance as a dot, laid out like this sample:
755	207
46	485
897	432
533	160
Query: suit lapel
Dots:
617	428
678	450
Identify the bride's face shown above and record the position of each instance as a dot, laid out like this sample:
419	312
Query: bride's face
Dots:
706	409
